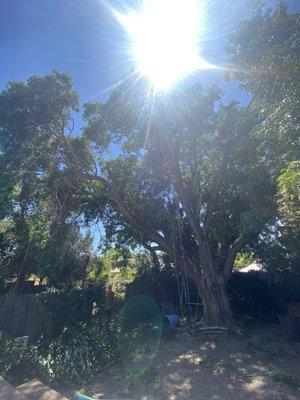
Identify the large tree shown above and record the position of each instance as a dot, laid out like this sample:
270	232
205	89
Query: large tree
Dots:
176	173
192	178
180	174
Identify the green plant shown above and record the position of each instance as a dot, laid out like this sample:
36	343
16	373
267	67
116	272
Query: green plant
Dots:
218	368
243	259
10	353
77	355
74	305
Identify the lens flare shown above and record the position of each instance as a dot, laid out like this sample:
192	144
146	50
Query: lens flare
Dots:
139	333
164	38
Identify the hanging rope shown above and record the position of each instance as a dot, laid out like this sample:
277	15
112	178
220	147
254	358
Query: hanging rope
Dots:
177	277
184	265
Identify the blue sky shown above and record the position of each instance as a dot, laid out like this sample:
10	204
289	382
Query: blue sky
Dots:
82	38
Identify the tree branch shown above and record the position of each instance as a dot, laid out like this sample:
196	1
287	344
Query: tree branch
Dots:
179	186
214	194
236	246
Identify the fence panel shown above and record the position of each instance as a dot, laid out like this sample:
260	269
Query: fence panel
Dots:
26	315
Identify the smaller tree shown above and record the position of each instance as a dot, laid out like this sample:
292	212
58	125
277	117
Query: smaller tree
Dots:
65	256
35	188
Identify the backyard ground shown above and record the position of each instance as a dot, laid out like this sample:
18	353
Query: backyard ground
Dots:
260	366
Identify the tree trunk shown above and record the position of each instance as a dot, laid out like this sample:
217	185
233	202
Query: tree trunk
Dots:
22	272
155	260
216	305
217	310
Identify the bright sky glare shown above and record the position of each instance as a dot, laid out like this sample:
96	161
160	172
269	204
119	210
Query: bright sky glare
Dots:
164	38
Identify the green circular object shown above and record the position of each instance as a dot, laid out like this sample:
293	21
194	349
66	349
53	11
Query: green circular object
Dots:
139	333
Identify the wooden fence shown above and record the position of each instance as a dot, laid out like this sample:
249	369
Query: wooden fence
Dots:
28	315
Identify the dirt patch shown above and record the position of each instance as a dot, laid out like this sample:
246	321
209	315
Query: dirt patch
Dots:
261	366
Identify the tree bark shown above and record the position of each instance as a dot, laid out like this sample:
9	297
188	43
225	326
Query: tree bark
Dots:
211	285
22	272
217	311
216	305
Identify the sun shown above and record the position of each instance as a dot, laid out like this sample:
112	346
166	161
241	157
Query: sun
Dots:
164	37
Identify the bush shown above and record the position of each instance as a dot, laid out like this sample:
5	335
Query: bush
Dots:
79	350
76	356
288	286
10	353
257	295
251	295
74	306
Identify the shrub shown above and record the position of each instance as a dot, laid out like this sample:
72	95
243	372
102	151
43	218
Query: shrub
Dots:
10	353
76	356
255	294
251	295
74	306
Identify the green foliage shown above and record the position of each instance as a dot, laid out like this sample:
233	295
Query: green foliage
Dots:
127	263
78	305
77	356
269	37
279	250
264	51
38	194
10	353
243	259
289	195
65	256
